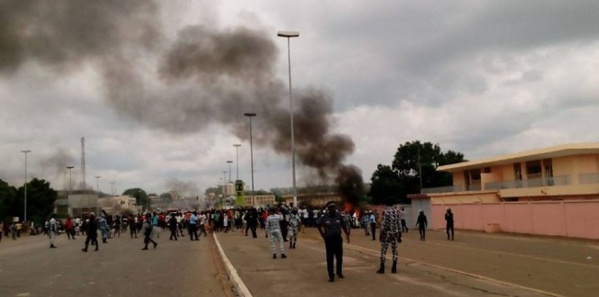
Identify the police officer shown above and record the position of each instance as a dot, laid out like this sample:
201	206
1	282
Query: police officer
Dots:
390	234
332	223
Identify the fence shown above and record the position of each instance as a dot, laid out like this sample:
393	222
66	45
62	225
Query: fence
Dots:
578	219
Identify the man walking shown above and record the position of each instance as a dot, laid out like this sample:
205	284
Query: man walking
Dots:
402	216
91	232
193	226
251	218
52	230
372	221
294	224
273	229
449	223
172	225
422	223
390	234
332	223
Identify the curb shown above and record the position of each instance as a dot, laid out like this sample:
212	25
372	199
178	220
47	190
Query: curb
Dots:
240	286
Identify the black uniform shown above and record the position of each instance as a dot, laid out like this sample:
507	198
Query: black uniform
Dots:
172	225
92	233
422	222
251	218
449	225
333	224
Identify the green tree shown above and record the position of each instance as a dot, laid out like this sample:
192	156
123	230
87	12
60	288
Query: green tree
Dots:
414	163
385	185
141	197
40	201
8	198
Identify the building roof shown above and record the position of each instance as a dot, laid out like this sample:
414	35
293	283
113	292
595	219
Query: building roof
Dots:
532	155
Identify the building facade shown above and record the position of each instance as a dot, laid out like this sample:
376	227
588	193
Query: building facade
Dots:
551	191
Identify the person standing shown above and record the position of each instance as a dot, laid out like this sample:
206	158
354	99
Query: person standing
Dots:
103	226
52	230
332	223
91	232
402	216
422	223
148	227
69	228
294	223
193	226
449	223
251	218
202	224
132	225
372	221
390	234
366	222
172	225
273	229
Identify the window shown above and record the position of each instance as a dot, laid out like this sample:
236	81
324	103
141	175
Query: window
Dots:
533	169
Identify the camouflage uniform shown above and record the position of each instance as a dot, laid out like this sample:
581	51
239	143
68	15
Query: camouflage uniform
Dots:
273	229
294	223
390	234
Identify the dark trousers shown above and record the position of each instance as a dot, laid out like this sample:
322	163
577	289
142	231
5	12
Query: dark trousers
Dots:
449	230
173	233
147	239
373	230
251	227
133	231
404	226
193	232
334	249
94	240
422	231
284	230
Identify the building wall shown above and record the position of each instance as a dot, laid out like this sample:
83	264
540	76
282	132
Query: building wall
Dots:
554	218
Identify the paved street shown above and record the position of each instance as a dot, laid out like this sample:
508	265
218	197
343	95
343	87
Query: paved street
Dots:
475	264
28	267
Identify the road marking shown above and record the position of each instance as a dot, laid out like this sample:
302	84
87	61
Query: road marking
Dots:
377	253
240	286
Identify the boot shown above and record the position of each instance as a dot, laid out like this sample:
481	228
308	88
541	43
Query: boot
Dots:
283	256
394	267
52	246
382	268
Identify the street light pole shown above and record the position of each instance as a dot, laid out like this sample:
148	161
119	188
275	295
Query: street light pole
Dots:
25	185
229	169
98	185
250	115
70	186
237	162
289	35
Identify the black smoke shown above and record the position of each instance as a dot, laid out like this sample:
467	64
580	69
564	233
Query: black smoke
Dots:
205	76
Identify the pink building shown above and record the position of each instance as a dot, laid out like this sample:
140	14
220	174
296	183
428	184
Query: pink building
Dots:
550	191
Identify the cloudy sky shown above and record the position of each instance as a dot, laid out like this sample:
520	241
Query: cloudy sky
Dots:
158	90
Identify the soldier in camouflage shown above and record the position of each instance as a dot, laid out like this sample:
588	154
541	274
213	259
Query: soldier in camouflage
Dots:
273	229
390	234
293	227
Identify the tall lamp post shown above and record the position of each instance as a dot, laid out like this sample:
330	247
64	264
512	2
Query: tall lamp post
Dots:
70	186
224	181
289	35
237	162
25	206
98	185
250	115
229	169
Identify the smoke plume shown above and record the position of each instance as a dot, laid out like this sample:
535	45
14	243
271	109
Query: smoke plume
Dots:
205	76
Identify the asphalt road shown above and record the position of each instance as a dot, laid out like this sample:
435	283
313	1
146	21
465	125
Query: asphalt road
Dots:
475	264
28	267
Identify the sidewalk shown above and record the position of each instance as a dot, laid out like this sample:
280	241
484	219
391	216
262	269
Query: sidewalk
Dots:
469	266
